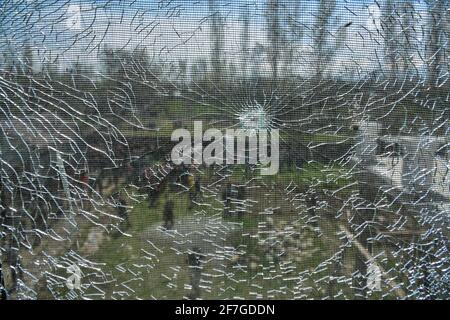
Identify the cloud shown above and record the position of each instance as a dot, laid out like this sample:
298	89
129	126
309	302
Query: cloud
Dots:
374	19
73	21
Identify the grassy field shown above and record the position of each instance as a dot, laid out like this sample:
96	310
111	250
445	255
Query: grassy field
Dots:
145	263
317	175
139	269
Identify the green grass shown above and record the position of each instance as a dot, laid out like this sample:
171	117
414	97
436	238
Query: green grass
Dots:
325	138
150	275
165	129
330	177
179	108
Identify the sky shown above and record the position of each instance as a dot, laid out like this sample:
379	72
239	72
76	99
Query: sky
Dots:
179	30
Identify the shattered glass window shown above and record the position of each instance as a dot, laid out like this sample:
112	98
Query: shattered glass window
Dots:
224	149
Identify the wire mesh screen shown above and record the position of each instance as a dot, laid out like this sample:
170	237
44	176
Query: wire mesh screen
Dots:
265	149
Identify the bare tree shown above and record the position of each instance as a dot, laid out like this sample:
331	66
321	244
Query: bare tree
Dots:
199	68
294	34
182	67
273	36
257	55
436	55
217	39
326	44
408	41
124	64
245	15
398	23
28	58
389	24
